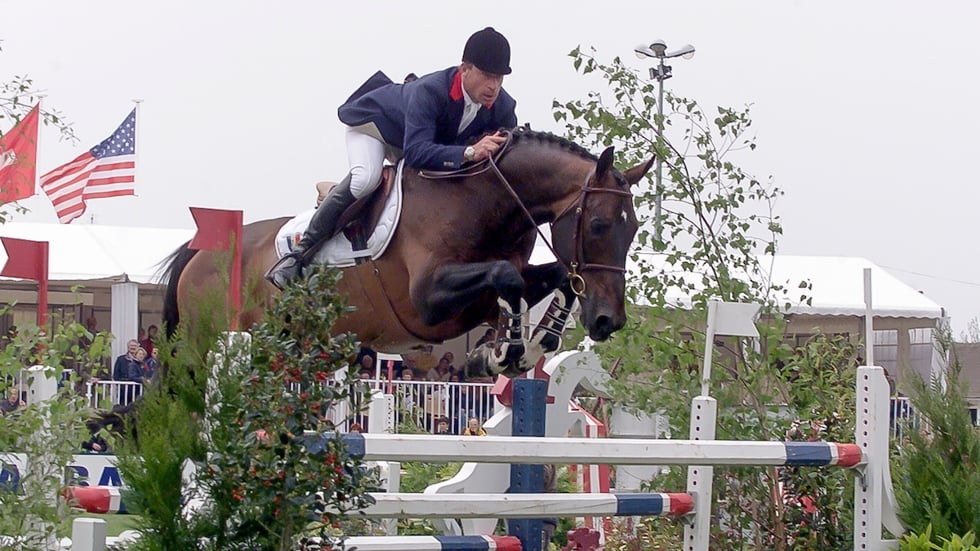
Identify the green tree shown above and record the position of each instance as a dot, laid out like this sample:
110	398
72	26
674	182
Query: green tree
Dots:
45	434
717	224
268	475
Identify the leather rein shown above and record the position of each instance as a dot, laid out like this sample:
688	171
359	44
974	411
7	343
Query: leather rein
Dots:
578	263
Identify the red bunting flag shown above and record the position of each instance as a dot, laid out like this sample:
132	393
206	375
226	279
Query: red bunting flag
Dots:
215	230
215	227
25	259
18	159
29	260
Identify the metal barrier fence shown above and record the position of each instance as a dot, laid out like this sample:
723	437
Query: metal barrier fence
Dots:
106	394
419	405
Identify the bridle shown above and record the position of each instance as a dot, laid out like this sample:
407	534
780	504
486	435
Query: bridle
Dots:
578	263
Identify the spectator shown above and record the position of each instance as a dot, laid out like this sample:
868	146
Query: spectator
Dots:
141	358
355	428
408	364
490	335
366	351
408	374
442	426
409	400
12	401
151	336
128	368
439	373
367	364
96	443
473	428
426	360
151	364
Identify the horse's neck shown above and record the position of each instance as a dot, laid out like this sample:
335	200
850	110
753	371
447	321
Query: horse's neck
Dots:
547	185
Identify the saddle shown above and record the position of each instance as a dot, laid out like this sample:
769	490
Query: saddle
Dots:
361	218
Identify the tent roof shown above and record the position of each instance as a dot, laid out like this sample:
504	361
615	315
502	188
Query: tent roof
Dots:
79	252
838	287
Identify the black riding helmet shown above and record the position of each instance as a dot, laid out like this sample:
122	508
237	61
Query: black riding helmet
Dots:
489	51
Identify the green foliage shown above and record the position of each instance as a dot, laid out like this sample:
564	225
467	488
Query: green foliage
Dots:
937	475
260	458
47	433
924	542
717	222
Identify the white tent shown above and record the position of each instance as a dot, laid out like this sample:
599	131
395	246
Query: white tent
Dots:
837	287
124	257
86	252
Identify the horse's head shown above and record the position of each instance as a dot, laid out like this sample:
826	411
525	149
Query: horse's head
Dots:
593	237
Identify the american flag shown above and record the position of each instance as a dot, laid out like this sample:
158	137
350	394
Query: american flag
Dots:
106	170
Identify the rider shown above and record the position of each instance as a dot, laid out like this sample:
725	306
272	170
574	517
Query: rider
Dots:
429	120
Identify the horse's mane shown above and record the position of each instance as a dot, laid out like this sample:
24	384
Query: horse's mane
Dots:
524	134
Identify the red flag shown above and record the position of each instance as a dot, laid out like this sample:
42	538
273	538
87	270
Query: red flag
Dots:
18	158
106	170
25	259
215	228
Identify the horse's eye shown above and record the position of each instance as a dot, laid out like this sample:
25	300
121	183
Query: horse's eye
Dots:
599	226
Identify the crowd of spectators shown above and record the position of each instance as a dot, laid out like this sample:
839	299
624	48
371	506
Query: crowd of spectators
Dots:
420	401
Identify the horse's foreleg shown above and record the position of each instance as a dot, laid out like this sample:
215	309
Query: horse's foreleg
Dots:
455	285
541	280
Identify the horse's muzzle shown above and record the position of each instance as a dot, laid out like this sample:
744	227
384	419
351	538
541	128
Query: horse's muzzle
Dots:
603	327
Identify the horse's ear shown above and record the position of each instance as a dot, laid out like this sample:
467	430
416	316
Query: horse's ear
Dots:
634	174
605	162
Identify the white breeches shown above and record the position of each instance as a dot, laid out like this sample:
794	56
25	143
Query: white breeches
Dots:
366	156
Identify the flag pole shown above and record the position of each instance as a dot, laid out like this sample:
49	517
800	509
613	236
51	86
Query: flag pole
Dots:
42	286
37	146
136	145
236	273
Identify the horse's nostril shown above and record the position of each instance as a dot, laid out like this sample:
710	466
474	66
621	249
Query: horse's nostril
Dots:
603	327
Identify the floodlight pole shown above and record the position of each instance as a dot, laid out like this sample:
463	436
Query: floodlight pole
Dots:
658	49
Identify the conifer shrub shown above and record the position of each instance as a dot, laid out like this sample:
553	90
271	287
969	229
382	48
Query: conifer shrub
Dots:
937	471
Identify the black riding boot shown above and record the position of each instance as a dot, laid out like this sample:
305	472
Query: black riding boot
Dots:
322	226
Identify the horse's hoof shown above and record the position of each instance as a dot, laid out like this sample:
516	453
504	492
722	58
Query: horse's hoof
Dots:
550	343
508	360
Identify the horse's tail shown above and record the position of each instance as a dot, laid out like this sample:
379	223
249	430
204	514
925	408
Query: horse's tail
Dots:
175	264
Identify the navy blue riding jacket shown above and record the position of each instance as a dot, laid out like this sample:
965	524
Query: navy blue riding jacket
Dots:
422	117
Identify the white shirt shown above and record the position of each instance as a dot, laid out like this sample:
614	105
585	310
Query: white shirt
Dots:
470	109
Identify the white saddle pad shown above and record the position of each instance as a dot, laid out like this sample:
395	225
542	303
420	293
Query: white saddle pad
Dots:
338	251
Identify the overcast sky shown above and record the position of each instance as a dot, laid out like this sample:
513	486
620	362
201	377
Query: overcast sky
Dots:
864	112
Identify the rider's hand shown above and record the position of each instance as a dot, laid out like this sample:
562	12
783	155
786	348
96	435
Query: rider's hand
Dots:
488	145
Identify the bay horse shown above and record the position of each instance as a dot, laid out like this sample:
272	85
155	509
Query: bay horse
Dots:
460	253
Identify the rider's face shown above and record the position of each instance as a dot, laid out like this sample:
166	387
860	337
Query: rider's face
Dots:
482	87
